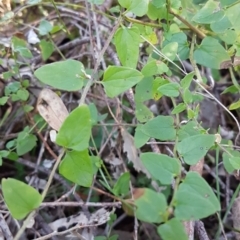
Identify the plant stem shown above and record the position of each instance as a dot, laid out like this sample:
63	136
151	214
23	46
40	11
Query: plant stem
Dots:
184	21
31	215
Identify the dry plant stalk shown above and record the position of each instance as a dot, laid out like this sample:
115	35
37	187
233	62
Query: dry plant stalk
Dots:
236	216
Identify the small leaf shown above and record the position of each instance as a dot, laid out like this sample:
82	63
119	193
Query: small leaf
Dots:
139	7
231	89
193	148
187	130
121	187
44	27
3	154
140	138
170	50
233	15
47	49
195	199
20	198
117	80
75	131
65	75
3	100
226	160
170	89
234	105
154	67
20	46
127	44
211	53
77	167
143	113
183	46
179	108
210	13
23	94
25	142
151	206
144	90
235	162
172	229
161	167
161	127
186	81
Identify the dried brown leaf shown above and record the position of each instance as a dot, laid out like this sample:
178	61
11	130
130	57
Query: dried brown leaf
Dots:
51	107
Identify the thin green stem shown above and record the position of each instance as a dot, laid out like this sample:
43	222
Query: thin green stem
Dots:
228	208
31	215
184	21
132	20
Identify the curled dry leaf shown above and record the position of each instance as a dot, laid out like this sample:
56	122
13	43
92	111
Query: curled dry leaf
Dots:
132	153
51	107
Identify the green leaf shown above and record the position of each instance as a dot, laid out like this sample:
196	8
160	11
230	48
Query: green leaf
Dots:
183	46
151	206
127	44
231	89
187	96
211	53
229	36
3	100
75	131
117	80
193	148
186	81
154	67
161	127
234	105
159	3
233	15
121	187
12	156
235	162
226	160
169	89
47	49
144	90
170	50
155	13
209	13
156	84
77	167
179	108
65	75
25	142
20	46
140	138
138	7
125	3
172	229
20	198
3	154
161	167
44	27
143	113
23	94
195	199
221	25
187	130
